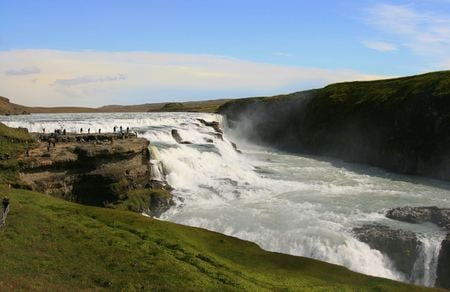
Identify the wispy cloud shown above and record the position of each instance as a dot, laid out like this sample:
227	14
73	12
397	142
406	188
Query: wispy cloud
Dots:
424	32
22	71
380	46
98	78
86	79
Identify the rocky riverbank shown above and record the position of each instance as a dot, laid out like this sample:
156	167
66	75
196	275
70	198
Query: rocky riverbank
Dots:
110	170
404	248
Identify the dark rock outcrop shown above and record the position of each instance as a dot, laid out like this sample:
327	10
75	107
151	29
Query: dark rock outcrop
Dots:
443	269
235	147
215	125
398	124
438	216
401	246
176	136
160	202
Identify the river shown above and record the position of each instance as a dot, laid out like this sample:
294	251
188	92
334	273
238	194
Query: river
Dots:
293	204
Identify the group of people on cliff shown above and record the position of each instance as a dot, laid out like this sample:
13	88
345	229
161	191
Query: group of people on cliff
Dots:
64	132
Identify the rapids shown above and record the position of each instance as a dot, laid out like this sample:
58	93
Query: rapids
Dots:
287	203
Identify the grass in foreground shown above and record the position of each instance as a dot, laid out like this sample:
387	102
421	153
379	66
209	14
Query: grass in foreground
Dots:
12	143
51	244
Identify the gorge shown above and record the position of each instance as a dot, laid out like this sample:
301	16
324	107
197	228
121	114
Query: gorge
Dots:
296	204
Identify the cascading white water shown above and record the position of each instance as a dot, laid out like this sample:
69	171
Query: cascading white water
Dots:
286	203
156	167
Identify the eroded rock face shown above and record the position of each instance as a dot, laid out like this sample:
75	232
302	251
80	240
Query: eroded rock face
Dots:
401	246
440	217
97	172
443	269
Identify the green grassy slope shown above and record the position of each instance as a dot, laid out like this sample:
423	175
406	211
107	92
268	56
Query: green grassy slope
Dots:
51	244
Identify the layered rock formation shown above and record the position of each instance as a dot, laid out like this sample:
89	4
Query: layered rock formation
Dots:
440	217
99	169
404	247
401	246
435	215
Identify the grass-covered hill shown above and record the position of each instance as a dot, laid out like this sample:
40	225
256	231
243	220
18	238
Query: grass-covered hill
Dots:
53	245
49	244
400	124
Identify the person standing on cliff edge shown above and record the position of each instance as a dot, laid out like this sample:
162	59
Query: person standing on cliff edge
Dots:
5	204
5	209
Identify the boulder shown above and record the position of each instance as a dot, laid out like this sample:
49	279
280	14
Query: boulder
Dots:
401	246
438	216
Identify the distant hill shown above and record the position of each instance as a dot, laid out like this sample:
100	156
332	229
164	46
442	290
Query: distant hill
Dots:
8	108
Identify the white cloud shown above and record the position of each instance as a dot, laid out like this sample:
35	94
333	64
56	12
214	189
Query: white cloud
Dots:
424	32
89	79
380	46
97	78
22	71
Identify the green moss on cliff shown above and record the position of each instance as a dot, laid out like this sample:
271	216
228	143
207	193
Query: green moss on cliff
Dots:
401	124
51	244
143	200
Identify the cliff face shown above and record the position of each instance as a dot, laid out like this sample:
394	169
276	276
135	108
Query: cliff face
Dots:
99	170
399	124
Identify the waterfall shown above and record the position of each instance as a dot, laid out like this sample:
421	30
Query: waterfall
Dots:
156	167
286	203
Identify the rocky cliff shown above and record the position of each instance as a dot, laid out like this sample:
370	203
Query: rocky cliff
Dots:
101	170
404	248
400	124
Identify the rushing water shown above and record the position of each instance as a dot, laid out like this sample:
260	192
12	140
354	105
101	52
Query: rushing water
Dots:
287	203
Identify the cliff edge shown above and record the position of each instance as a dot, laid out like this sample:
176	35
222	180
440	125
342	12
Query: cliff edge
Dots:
399	124
95	169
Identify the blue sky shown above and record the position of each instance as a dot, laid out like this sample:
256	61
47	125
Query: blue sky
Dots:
96	52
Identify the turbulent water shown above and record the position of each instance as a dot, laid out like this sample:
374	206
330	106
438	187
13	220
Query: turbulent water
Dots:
287	203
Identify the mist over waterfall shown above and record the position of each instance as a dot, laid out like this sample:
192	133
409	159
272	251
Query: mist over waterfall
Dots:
287	203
